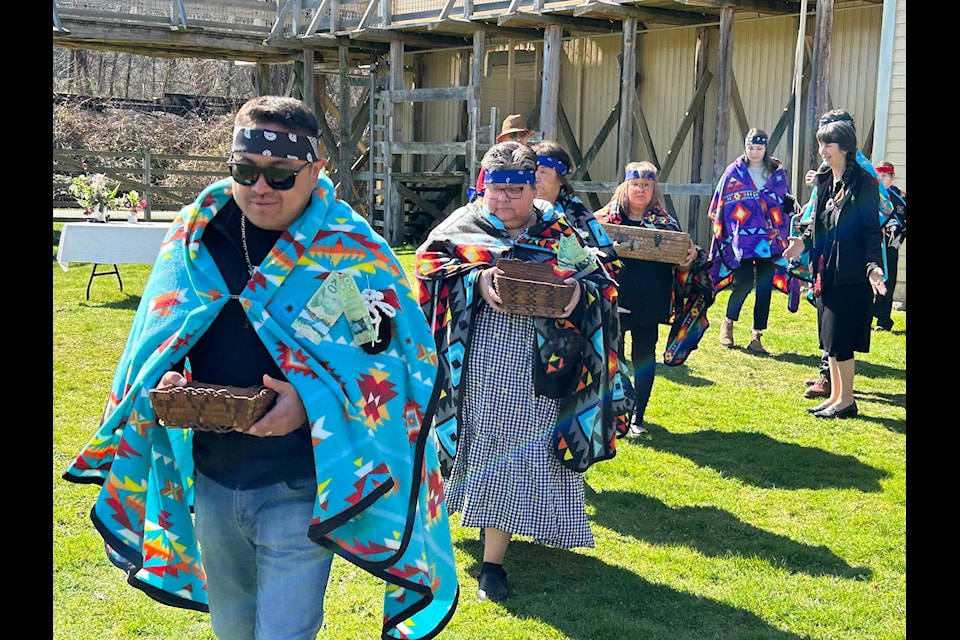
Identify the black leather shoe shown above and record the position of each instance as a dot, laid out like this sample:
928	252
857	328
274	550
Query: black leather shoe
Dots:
493	583
849	411
819	407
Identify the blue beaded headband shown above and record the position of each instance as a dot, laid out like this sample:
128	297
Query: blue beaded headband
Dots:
277	144
557	165
510	176
634	174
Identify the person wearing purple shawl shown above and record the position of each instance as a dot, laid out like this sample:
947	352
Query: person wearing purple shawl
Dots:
750	229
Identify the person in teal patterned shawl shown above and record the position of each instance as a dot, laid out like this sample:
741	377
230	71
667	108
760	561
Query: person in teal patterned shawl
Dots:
267	277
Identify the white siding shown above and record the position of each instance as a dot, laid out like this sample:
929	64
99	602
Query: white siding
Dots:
897	131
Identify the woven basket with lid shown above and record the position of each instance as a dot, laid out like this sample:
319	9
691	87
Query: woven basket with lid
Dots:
207	407
531	289
642	243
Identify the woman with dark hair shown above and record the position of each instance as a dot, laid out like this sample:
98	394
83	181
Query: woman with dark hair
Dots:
750	231
845	257
553	167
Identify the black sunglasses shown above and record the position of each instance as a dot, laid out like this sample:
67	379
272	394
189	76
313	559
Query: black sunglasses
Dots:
279	179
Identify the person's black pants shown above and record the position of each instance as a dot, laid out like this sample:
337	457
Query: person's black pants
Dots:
884	304
643	356
750	273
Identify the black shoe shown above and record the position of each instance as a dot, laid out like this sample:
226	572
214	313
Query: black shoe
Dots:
819	407
881	328
849	411
493	583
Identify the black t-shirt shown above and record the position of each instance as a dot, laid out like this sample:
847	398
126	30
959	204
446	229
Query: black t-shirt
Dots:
644	288
230	353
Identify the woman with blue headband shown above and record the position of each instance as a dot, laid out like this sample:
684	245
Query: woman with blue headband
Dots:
525	403
646	286
750	229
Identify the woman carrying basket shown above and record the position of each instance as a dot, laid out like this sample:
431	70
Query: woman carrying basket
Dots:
526	402
645	285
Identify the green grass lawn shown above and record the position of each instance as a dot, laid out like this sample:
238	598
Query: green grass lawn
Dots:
741	517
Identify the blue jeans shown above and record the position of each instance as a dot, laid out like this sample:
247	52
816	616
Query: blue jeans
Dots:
265	578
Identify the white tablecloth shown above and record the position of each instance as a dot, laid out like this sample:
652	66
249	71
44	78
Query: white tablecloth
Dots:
111	242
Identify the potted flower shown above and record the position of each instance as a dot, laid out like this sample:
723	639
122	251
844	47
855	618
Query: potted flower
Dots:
134	205
94	194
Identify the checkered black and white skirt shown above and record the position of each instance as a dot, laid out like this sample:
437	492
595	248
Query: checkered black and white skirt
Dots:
505	474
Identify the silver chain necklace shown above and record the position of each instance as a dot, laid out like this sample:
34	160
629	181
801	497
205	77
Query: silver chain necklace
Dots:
243	240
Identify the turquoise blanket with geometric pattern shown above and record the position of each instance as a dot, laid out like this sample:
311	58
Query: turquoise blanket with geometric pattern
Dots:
379	501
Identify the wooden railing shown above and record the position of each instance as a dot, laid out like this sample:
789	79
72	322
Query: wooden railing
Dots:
165	181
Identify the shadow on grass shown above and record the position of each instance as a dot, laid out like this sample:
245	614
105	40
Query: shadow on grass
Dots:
681	375
865	369
544	580
758	459
713	532
128	303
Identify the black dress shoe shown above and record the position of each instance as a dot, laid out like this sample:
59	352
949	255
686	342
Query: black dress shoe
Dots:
849	411
493	583
819	407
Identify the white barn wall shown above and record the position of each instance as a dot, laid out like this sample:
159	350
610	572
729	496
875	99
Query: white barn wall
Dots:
763	57
667	70
896	150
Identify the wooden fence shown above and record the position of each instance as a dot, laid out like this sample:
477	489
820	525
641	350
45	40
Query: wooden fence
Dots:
165	181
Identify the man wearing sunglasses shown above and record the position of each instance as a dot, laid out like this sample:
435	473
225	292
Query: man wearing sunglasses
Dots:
267	279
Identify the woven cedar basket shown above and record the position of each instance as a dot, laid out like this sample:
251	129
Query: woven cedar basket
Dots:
642	243
531	289
207	407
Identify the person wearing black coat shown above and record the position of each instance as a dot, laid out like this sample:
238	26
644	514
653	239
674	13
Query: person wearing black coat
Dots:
845	256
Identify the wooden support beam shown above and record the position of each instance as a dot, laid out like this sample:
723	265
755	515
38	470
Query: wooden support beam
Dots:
415	198
641	123
628	93
575	154
738	110
572	24
617	11
819	97
344	177
696	151
550	84
594	149
725	71
696	104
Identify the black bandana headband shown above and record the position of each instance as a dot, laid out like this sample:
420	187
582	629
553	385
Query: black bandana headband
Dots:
757	140
843	117
277	144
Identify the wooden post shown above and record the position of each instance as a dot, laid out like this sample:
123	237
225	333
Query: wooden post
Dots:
628	71
310	81
344	175
724	74
393	212
478	60
796	165
696	150
819	99
550	88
